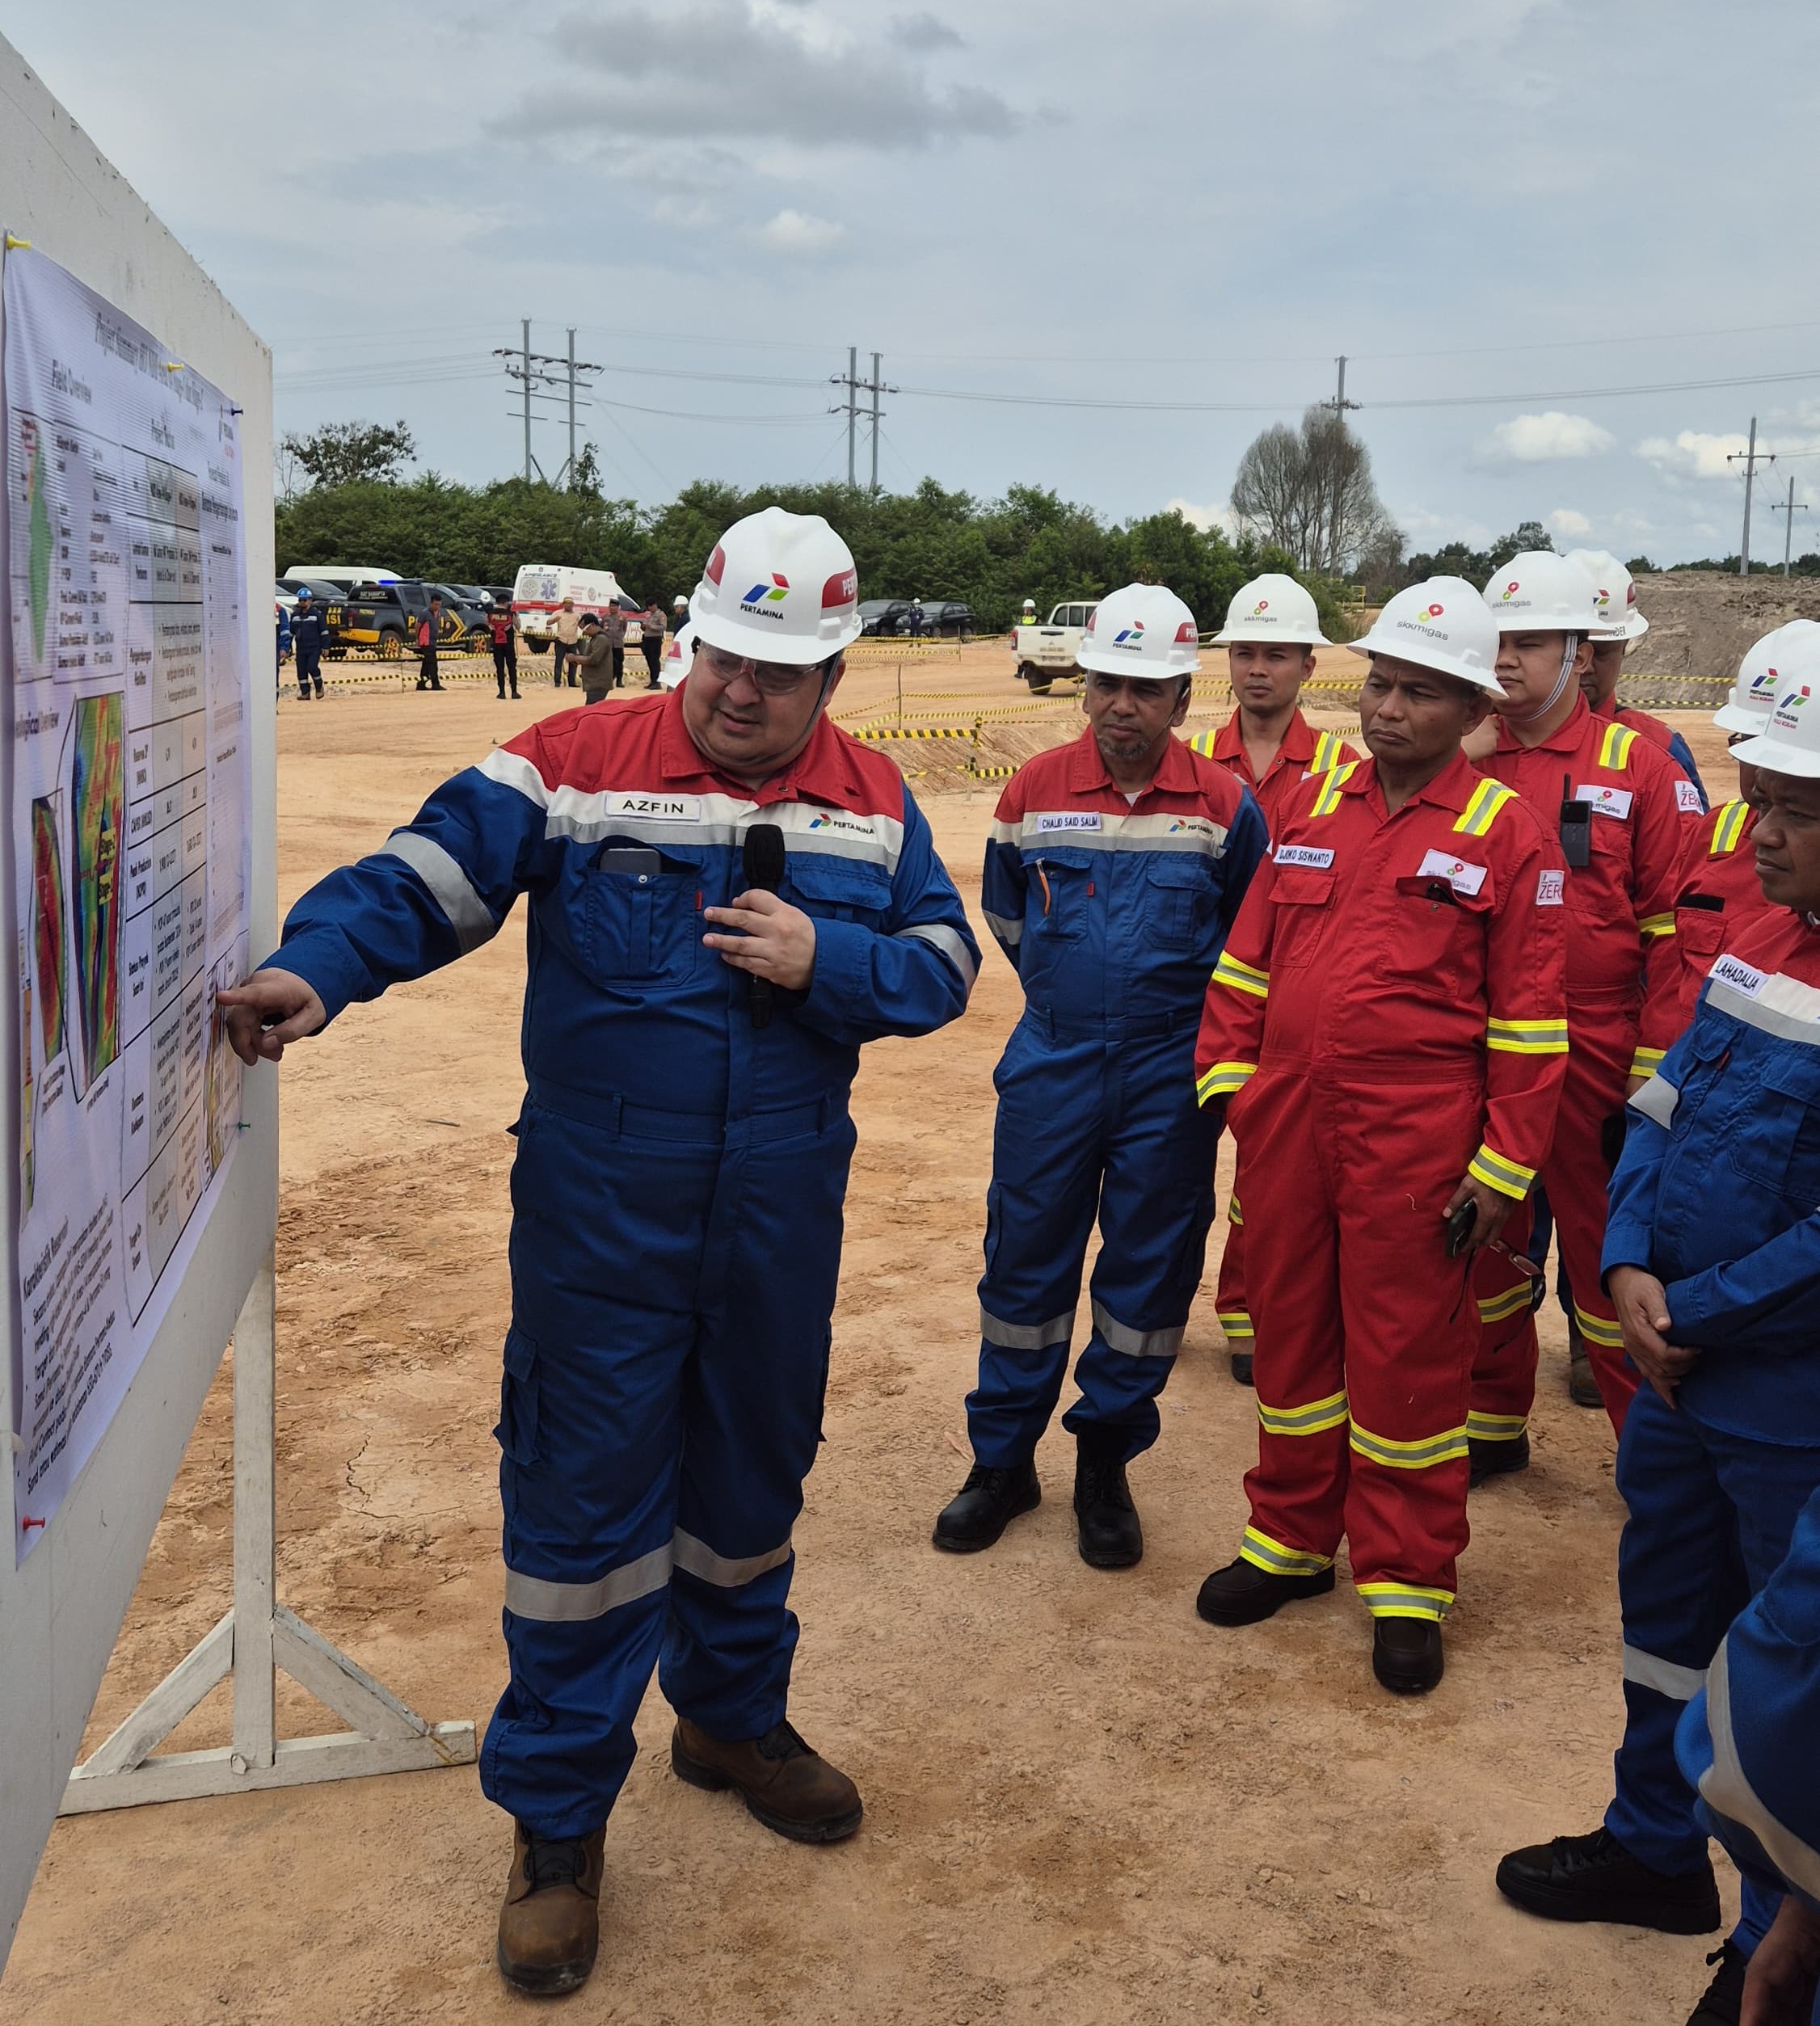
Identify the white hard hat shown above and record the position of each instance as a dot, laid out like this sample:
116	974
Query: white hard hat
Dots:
677	657
1759	676
1442	623
1029	604
779	586
1543	592
1141	630
678	603
1272	608
1789	741
1620	618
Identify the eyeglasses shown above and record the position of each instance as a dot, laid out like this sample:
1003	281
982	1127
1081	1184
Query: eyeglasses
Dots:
769	678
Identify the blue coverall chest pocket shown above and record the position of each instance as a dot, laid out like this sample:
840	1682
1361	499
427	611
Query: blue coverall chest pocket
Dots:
1439	933
838	889
1057	903
1779	1145
1304	895
643	926
1180	893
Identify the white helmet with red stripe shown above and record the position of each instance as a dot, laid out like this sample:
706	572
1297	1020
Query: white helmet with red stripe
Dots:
1619	616
779	586
1142	630
677	657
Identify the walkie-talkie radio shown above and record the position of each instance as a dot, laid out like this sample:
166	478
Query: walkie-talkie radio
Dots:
1575	827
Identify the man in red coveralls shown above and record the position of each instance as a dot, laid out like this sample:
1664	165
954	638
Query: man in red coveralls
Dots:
1616	798
1621	625
1390	1011
1718	890
1271	634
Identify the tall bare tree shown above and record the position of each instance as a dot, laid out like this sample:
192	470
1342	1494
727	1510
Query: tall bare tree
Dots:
1309	491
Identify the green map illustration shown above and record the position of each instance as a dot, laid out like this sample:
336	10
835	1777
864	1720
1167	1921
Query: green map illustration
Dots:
40	564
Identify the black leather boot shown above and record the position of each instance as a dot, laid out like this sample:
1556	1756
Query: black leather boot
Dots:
1105	1520
1595	1878
984	1506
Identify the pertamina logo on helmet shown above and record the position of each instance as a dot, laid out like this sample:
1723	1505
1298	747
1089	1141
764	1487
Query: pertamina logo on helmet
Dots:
1788	711
1129	638
763	599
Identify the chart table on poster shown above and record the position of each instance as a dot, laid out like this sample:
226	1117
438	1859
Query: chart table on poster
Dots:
129	681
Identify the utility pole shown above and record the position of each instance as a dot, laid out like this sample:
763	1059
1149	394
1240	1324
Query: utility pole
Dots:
535	372
850	407
877	389
1789	533
1750	460
1339	404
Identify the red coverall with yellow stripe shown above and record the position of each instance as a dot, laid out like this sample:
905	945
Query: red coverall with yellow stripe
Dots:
1718	894
1619	915
1304	751
1388	1015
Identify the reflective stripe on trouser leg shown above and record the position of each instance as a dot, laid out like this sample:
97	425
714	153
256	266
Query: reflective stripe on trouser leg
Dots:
1039	1212
1680	1583
1504	1361
752	1399
1411	1327
1297	1489
1156	1203
1229	1300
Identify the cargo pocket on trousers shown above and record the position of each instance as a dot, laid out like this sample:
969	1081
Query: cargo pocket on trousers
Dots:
992	1224
517	1432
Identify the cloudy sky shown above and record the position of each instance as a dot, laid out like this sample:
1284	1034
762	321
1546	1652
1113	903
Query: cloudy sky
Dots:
1098	247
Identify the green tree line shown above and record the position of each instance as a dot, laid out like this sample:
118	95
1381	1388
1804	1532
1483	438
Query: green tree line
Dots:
930	543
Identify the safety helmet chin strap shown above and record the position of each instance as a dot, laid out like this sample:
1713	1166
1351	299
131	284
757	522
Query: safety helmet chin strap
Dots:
1555	695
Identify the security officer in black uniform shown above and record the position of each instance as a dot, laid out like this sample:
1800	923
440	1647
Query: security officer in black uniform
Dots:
309	635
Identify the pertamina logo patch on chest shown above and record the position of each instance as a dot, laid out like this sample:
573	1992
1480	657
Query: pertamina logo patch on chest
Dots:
1463	876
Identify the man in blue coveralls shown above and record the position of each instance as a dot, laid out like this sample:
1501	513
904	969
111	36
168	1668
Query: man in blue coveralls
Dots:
727	896
1711	1260
1116	868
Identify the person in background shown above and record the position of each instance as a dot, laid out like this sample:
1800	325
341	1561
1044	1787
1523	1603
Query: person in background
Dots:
283	640
567	628
1271	634
505	647
429	639
1115	867
651	641
309	635
1623	625
596	660
614	630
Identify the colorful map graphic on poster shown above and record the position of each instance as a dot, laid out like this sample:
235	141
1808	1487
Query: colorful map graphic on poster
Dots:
127	673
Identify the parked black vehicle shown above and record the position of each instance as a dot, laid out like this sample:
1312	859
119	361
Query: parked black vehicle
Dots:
384	618
947	617
879	616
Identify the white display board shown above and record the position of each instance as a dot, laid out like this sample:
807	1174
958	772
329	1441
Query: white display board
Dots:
62	1602
130	704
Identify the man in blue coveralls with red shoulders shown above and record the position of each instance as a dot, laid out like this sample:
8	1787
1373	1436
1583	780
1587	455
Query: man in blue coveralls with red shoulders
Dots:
727	896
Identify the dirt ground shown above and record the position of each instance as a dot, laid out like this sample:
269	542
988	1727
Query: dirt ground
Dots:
1083	1804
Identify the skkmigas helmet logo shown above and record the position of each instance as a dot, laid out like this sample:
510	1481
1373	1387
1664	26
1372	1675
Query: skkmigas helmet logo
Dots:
1512	589
1129	638
764	599
1427	616
1260	609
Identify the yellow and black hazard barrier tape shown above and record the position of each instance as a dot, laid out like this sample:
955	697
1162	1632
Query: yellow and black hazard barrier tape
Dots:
876	734
989	773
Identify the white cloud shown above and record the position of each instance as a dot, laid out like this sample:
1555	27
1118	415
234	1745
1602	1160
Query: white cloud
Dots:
1566	522
1221	516
1546	438
801	232
1692	454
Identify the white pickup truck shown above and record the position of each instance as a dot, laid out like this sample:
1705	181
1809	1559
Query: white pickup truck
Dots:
1048	650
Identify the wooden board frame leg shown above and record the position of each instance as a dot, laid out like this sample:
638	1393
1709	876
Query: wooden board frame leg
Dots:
258	1637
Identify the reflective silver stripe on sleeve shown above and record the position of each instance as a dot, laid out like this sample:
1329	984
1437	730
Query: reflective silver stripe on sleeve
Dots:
1725	1786
451	888
1026	1336
1656	1100
699	1559
1136	1343
569	1603
948	941
1680	1684
1008	928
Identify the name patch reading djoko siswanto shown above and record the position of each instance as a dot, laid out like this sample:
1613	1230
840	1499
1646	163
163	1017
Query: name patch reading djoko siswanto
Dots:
1304	855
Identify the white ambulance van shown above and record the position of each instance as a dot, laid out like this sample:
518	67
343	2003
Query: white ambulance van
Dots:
538	592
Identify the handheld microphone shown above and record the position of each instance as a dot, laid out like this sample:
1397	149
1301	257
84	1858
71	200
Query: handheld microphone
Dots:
763	861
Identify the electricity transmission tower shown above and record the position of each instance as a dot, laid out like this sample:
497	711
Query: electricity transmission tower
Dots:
1749	459
1791	510
1339	404
851	409
544	378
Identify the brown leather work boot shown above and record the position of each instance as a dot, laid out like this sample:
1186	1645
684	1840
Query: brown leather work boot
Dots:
550	1926
784	1784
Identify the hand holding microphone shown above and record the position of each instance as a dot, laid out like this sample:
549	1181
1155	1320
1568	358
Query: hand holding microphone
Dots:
773	943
